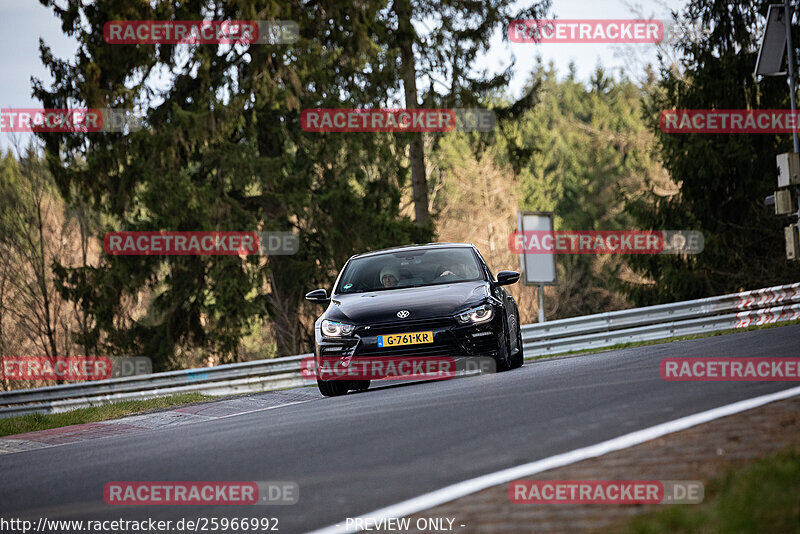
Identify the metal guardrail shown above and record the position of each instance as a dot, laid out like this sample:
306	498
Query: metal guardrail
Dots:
736	310
228	379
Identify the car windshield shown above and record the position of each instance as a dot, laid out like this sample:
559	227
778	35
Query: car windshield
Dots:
411	268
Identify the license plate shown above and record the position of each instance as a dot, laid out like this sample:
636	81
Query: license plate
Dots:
410	338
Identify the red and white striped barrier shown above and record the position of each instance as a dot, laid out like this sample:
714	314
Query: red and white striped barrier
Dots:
760	298
767	316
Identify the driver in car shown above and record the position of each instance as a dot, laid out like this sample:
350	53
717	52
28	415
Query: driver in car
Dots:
455	271
389	276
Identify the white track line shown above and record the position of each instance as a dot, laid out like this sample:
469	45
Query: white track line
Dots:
256	410
460	489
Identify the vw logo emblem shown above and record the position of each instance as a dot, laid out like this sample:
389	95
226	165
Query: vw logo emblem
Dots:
403	314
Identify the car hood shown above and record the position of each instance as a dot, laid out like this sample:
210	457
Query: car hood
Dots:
420	302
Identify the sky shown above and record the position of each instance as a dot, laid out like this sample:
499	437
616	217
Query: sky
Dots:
586	57
24	22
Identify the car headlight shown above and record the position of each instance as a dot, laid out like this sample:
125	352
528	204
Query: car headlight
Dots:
334	329
479	314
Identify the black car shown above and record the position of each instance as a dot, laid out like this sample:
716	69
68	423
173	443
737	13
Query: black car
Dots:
438	299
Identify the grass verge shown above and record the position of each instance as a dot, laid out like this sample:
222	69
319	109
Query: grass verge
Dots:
665	340
759	497
38	421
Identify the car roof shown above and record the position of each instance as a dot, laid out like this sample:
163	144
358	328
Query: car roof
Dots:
414	247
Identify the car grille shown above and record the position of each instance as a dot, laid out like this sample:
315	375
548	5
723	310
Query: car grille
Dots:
482	344
399	327
441	349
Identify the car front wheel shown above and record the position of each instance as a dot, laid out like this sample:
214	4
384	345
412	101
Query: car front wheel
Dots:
333	388
503	358
519	358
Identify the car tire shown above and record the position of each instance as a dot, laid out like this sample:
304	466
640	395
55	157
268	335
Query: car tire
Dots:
503	358
519	358
333	388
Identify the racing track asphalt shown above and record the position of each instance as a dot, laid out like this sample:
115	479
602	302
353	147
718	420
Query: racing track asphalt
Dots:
354	454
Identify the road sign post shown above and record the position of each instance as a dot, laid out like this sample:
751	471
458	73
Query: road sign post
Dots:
537	269
777	39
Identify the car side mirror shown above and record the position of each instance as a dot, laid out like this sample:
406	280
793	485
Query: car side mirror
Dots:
505	278
320	296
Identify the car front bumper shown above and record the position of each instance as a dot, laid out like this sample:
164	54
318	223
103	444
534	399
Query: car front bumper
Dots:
449	339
